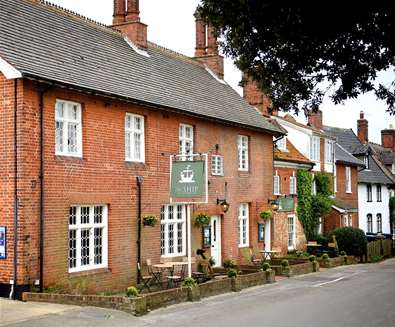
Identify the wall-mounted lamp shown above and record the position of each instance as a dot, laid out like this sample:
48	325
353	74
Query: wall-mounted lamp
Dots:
223	203
275	204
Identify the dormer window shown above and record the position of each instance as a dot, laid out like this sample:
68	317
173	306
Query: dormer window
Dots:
282	144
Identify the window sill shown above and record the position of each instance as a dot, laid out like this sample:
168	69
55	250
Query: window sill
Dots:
68	157
243	246
135	164
90	272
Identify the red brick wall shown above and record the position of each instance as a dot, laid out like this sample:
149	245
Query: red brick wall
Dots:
280	224
103	177
351	198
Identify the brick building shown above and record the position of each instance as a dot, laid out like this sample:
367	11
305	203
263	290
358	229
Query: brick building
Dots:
89	116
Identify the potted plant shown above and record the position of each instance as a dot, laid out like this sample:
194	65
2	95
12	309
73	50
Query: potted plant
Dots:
202	219
150	220
266	215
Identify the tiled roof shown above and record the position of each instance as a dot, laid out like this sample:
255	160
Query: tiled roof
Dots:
51	44
343	204
291	154
347	139
387	156
343	156
376	173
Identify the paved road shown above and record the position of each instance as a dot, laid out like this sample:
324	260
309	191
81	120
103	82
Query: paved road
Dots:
360	295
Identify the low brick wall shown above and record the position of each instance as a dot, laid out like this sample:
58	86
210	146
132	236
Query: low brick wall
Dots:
140	305
166	297
337	261
130	305
250	280
215	287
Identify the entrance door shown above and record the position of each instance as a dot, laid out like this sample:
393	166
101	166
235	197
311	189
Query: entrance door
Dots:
216	240
268	245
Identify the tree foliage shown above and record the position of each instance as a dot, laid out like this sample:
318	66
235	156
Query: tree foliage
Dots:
297	51
321	203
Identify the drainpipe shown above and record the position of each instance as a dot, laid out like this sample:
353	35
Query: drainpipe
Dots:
16	204
139	180
42	156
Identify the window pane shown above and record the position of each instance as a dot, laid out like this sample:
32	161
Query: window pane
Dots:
73	216
128	149
85	247
98	214
72	248
179	237
72	137
59	136
98	246
85	215
170	238
162	239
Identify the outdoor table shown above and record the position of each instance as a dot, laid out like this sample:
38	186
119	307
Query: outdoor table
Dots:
268	254
169	266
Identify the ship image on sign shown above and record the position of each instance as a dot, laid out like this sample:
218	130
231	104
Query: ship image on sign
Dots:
187	179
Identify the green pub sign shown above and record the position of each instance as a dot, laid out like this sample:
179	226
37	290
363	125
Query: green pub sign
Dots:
286	204
187	179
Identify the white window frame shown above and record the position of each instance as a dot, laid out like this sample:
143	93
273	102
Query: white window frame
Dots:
369	230
313	187
91	226
335	179
62	147
393	168
348	180
379	194
276	184
293	184
329	145
369	195
242	149
291	232
282	144
217	165
315	148
244	225
186	143
132	130
379	230
169	218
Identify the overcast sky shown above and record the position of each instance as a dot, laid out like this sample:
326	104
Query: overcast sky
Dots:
171	24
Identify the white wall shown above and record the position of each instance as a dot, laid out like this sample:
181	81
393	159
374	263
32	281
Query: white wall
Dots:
373	208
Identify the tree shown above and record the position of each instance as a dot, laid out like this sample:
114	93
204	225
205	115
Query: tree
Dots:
297	51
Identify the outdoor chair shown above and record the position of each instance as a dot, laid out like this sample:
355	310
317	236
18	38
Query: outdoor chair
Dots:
155	273
146	279
177	277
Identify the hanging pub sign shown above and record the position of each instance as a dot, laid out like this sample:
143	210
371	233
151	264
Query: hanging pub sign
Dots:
187	179
3	242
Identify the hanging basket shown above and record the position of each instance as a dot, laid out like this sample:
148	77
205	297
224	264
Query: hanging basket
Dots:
266	215
202	219
150	221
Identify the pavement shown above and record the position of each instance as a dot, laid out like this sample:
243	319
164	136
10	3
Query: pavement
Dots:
357	295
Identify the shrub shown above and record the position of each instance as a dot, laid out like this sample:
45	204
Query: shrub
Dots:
284	263
202	219
351	240
343	253
376	258
132	291
312	258
321	239
325	256
229	264
189	282
232	272
265	266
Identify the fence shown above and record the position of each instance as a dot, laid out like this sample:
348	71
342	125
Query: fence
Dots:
379	248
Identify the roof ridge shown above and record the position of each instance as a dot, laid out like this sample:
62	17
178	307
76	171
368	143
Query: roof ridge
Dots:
73	13
175	53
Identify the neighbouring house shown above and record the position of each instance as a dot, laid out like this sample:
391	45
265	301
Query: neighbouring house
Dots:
288	231
89	117
375	182
345	202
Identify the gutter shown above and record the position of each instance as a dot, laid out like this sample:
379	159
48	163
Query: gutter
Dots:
139	180
42	157
16	202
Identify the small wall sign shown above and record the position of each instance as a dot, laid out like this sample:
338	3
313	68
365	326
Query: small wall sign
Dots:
206	236
261	232
3	242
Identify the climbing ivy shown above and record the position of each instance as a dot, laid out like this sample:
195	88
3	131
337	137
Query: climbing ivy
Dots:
304	208
322	201
312	207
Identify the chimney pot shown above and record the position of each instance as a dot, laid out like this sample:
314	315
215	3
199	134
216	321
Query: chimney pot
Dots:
361	115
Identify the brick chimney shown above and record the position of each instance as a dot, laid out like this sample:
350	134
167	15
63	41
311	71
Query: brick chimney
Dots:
127	21
207	46
256	97
388	138
363	128
314	119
